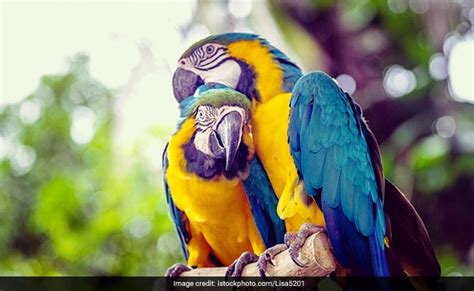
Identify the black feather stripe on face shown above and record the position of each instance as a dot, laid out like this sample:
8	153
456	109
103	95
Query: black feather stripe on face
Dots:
246	84
208	167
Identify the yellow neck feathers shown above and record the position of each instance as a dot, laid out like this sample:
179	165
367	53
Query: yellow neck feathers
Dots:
175	146
268	74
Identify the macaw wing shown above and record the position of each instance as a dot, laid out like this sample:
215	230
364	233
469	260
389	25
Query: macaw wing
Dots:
179	218
263	203
327	137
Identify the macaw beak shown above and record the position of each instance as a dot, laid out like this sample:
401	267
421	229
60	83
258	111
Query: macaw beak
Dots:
185	84
229	135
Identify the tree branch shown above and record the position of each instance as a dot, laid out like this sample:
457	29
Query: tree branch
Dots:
316	254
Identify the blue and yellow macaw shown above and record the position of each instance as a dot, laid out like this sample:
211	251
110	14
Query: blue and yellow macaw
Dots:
219	196
324	164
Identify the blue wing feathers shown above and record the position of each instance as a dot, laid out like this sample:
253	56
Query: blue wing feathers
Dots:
365	219
335	234
318	170
330	184
178	217
378	258
327	137
260	217
347	199
263	202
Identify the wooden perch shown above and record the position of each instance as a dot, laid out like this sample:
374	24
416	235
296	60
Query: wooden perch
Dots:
316	254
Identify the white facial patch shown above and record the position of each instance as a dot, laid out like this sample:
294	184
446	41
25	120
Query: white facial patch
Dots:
212	63
227	73
201	141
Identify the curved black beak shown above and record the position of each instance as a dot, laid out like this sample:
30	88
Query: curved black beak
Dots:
229	133
185	84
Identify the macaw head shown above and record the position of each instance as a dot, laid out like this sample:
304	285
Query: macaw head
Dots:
241	61
219	144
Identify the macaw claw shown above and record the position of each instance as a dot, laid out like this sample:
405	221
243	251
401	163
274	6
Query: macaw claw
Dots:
176	270
266	258
235	269
295	241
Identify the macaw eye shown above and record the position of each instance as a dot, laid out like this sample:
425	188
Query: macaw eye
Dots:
200	115
210	49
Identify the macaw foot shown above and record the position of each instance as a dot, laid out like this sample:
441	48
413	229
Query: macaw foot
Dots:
295	241
176	270
236	268
266	258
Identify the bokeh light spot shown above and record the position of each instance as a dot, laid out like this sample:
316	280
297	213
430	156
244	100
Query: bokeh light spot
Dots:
347	83
419	6
461	70
399	81
438	67
398	6
83	125
22	159
451	40
446	126
30	111
139	227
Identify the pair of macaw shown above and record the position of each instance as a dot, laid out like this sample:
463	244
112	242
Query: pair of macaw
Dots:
263	150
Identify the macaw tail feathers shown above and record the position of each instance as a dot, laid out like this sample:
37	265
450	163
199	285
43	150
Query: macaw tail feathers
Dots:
409	240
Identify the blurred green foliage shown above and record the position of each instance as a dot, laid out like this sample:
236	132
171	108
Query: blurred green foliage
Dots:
75	209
